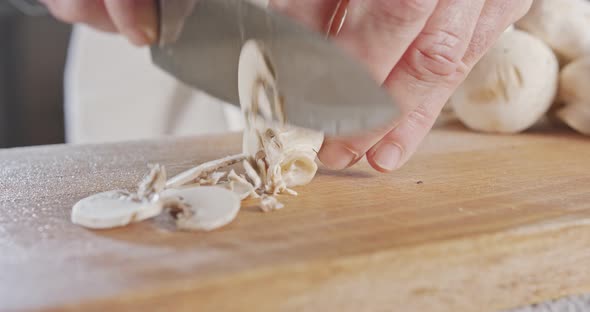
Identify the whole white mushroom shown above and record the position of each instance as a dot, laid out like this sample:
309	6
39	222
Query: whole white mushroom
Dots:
447	110
563	24
574	92
510	88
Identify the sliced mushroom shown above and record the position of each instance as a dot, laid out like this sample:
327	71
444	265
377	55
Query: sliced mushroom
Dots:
284	155
510	88
203	170
209	207
256	83
253	176
562	24
153	183
113	209
214	178
241	186
574	92
300	146
275	157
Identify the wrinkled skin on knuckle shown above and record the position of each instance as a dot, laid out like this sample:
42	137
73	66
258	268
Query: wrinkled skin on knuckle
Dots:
437	58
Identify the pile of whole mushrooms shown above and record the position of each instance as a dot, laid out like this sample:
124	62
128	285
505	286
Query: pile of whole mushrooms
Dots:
275	158
540	67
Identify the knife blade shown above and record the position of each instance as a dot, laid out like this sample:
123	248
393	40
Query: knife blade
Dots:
323	88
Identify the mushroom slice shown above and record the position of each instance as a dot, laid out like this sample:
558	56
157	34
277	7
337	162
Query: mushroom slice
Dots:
203	170
210	207
112	209
283	156
153	183
213	178
300	146
258	95
241	186
252	174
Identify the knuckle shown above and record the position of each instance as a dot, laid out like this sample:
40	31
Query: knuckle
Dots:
437	56
400	12
421	118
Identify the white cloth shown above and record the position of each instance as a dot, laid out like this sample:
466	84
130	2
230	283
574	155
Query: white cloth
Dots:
114	93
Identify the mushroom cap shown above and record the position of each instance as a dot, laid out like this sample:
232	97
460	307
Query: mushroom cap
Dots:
510	88
111	209
562	24
576	116
574	81
574	91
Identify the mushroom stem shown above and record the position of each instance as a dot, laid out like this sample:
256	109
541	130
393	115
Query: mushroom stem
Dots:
252	174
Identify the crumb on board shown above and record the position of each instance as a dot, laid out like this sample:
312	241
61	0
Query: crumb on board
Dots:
270	203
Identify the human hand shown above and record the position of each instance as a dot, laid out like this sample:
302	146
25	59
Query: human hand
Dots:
419	50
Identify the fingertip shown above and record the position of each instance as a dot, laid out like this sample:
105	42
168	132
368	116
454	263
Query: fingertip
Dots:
136	19
137	38
337	156
386	156
375	166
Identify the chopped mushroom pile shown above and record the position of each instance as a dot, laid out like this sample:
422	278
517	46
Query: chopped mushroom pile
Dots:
275	158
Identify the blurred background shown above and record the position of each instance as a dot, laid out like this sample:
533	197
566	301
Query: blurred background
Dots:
33	51
62	84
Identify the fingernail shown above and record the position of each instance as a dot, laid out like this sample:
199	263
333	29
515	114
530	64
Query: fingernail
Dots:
137	37
141	37
145	32
337	156
387	156
150	34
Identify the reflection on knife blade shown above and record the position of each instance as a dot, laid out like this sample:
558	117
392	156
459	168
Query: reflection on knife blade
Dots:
323	88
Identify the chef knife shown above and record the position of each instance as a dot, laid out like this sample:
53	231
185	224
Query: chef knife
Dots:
323	88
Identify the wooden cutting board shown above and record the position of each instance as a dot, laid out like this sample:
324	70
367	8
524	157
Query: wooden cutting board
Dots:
473	223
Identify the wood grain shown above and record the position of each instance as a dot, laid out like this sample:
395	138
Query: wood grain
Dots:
473	223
